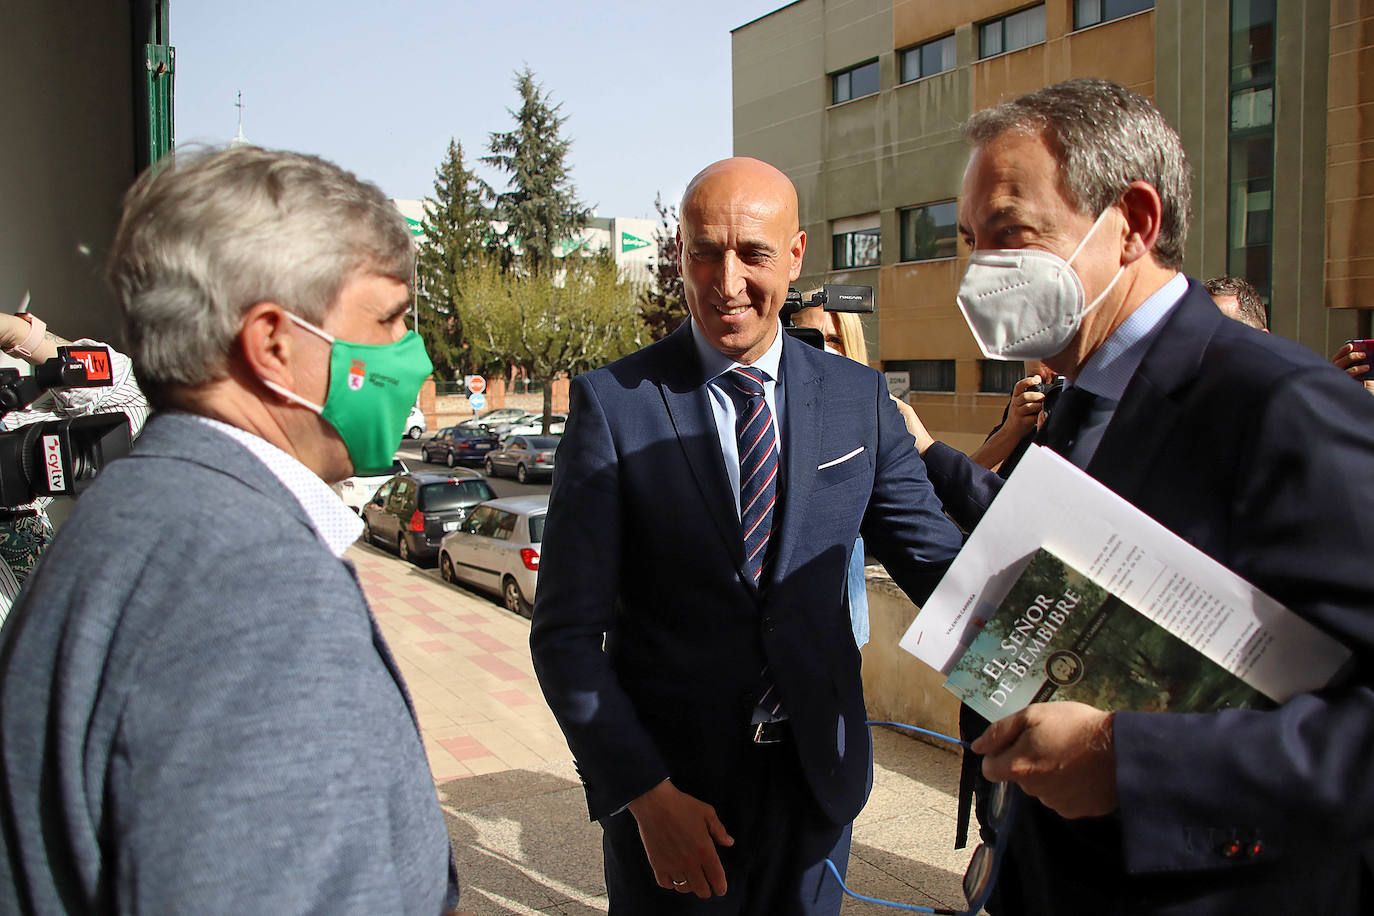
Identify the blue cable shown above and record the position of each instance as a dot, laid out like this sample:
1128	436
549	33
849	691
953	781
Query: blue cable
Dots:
911	907
921	731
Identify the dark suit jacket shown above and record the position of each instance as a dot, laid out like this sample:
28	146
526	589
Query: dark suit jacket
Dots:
643	549
1261	454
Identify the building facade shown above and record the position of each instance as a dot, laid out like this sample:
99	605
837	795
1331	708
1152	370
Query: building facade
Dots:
632	241
860	102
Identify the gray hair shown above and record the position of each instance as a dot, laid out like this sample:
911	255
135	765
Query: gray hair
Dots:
1250	307
1104	137
206	233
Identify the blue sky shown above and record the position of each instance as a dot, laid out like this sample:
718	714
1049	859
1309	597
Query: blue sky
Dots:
380	87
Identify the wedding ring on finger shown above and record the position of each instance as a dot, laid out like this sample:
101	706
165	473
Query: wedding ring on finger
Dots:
677	883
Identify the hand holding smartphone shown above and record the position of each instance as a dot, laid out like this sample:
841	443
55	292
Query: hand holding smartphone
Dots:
1355	353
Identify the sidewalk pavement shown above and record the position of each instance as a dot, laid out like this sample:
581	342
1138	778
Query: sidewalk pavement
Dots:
506	782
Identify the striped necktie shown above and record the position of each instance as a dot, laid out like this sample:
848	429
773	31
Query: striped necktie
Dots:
758	498
758	468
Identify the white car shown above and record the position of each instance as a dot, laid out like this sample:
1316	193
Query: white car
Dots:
415	426
356	491
534	426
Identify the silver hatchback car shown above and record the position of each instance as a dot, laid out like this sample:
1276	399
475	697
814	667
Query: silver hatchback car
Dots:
496	549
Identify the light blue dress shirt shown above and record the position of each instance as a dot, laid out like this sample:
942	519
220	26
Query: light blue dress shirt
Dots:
1110	369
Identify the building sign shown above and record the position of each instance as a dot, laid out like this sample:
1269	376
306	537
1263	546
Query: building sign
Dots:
632	242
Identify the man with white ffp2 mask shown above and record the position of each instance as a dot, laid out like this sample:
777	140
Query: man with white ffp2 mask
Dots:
1247	445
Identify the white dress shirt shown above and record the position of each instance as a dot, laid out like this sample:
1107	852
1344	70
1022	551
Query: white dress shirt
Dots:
333	521
714	364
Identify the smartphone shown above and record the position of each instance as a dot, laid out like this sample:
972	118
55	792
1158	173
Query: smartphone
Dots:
1362	346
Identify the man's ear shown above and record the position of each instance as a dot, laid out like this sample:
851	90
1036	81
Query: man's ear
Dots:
266	344
797	251
1144	212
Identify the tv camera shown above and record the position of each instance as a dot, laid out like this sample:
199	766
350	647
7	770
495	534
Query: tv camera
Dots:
58	457
831	297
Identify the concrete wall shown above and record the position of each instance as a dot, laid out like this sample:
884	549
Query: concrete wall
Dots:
67	159
897	687
1319	146
1303	37
1349	149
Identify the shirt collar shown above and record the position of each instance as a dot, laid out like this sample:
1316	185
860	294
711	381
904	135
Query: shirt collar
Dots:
1110	368
333	521
715	363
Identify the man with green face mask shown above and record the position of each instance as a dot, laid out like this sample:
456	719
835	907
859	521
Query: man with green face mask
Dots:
198	709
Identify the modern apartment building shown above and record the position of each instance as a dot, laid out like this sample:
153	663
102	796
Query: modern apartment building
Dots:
632	241
860	102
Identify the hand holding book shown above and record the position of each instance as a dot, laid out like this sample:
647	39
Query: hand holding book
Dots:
1060	753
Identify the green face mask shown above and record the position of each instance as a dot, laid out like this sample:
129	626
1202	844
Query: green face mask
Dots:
371	390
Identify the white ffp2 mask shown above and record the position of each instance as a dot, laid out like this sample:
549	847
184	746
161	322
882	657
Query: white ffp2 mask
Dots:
1025	303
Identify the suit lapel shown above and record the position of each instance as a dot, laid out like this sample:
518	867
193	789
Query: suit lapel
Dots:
803	388
1149	411
685	395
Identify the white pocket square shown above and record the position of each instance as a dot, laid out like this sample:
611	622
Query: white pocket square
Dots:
842	459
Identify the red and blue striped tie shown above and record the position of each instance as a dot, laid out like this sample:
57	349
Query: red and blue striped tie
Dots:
758	469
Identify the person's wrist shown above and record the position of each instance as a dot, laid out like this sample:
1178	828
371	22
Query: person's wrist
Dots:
13	330
33	336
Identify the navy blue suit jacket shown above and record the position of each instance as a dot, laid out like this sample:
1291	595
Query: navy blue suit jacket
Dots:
643	552
1261	454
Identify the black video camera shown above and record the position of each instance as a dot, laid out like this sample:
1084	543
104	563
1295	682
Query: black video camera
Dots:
832	298
58	457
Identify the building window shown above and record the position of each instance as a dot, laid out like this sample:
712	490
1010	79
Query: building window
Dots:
1250	216
856	242
930	232
998	376
928	59
925	374
854	82
1091	12
1010	33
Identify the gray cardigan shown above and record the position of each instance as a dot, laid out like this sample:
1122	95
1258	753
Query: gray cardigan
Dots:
197	712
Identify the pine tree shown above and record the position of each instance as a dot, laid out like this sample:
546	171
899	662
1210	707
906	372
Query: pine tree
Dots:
663	306
456	230
539	206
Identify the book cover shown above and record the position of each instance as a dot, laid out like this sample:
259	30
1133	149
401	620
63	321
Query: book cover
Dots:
1059	636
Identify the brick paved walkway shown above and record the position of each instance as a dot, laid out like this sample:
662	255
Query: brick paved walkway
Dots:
506	781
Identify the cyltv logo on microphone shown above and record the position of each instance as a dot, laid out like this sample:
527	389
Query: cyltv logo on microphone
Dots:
52	463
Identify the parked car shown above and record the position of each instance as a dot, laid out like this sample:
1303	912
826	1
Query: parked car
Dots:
534	425
497	549
416	424
412	512
523	457
497	416
356	491
454	445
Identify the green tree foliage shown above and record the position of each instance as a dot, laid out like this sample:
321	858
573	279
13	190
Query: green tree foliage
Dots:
457	226
539	206
570	322
663	305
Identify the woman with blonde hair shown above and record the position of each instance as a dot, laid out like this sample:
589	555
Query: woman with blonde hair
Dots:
844	336
843	331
